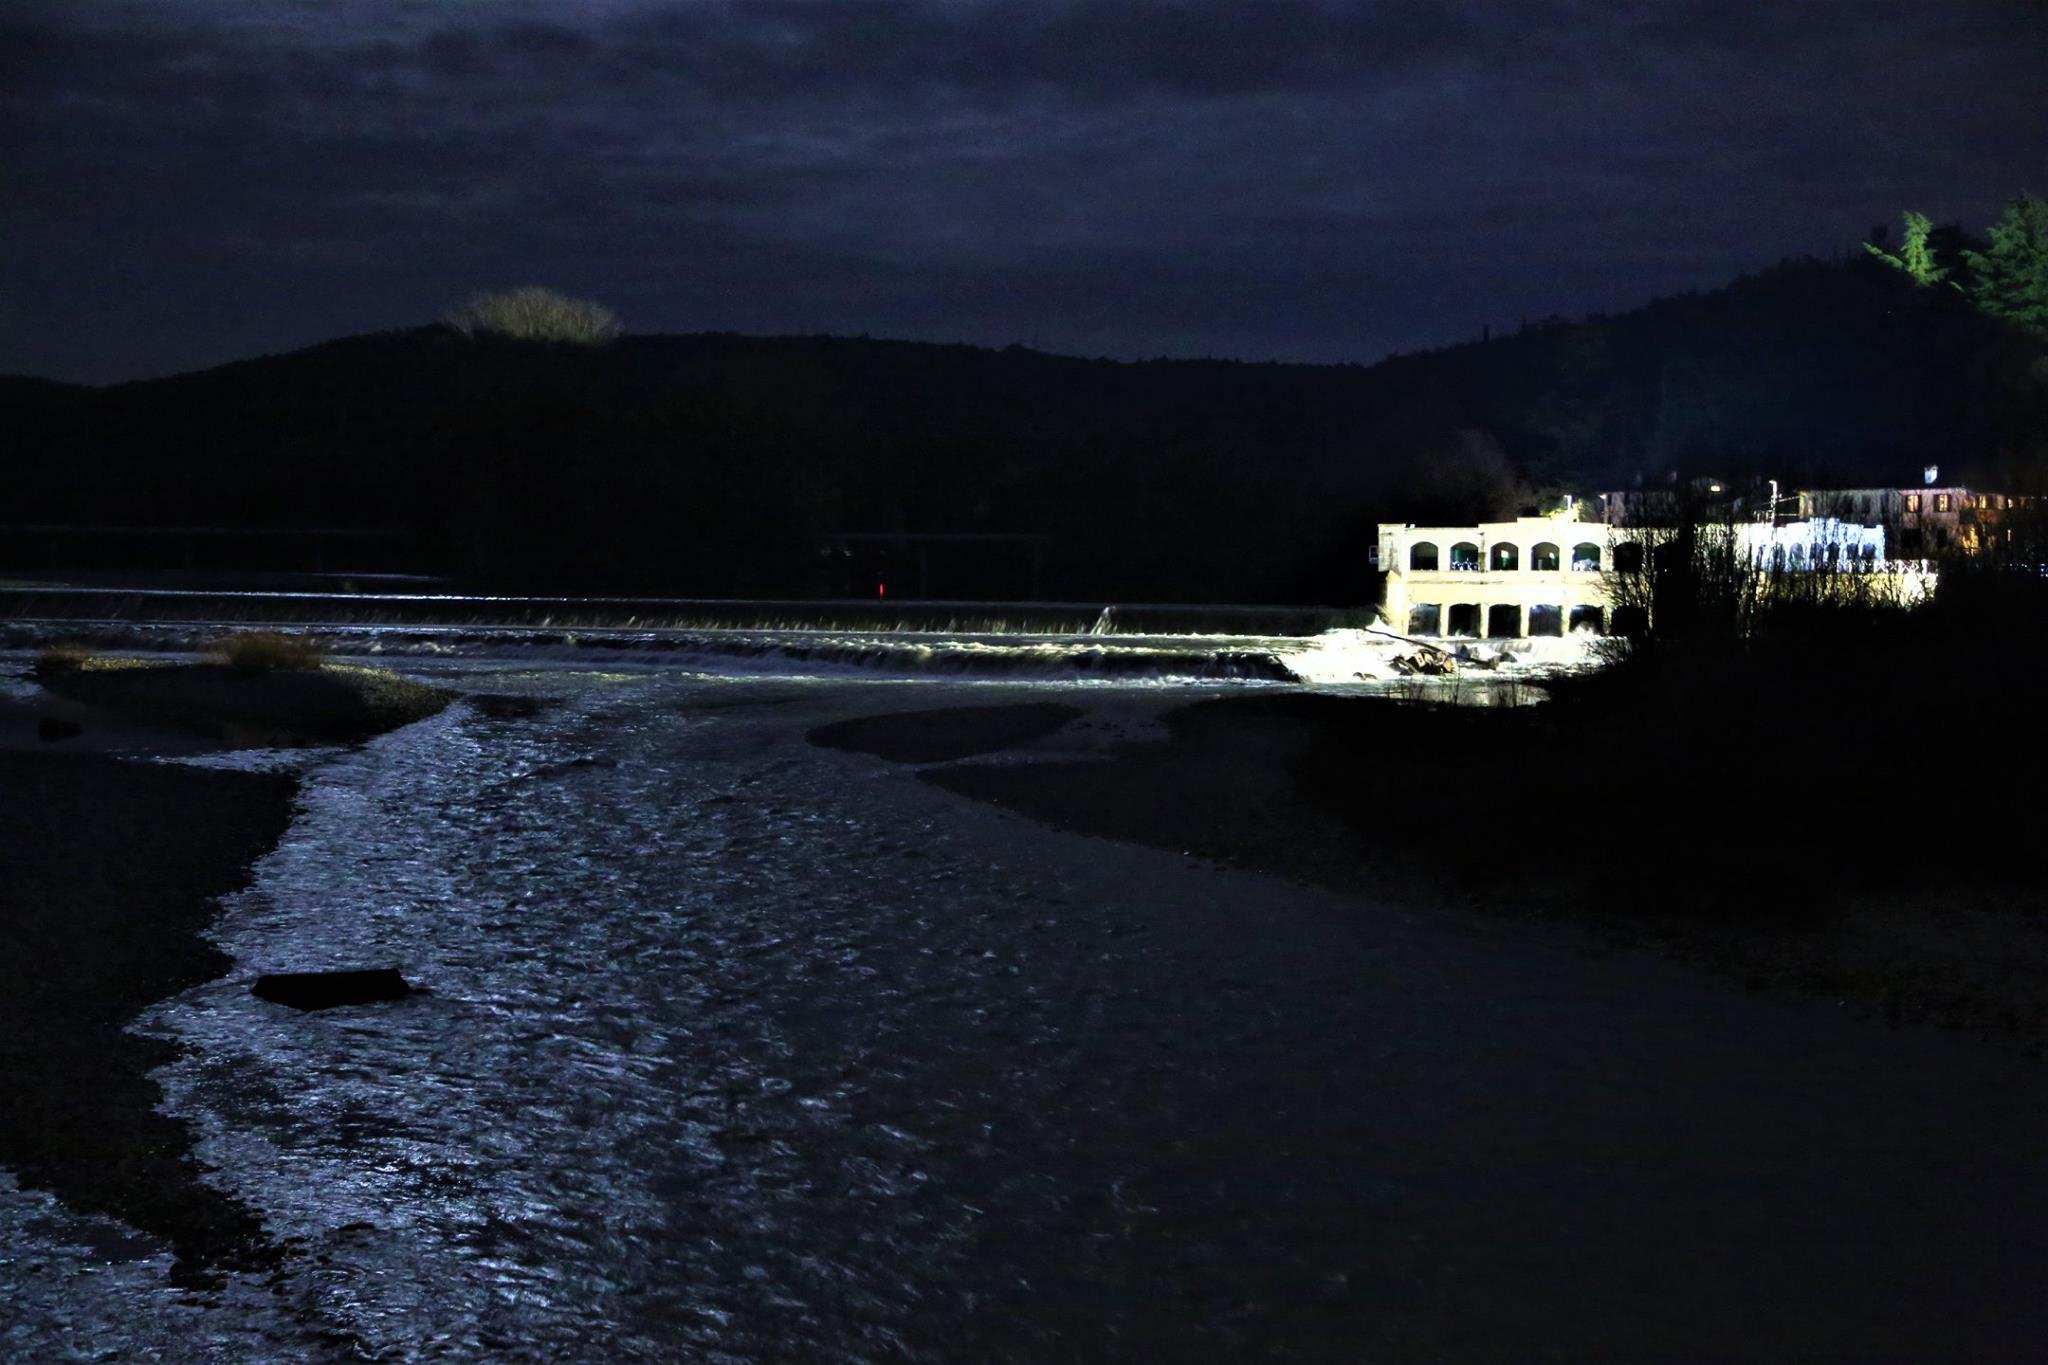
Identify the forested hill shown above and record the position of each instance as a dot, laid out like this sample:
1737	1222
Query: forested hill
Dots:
712	464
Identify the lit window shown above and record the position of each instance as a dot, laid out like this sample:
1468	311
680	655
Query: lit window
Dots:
1941	502
1912	502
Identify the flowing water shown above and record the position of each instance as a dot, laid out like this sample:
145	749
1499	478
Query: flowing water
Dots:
738	1049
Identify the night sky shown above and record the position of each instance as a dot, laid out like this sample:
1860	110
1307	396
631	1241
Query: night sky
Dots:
184	182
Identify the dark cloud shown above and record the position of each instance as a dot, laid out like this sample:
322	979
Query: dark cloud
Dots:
196	179
785	47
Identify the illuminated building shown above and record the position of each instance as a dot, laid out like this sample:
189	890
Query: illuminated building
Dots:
1555	575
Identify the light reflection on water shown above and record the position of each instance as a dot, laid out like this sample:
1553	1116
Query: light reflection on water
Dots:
655	1094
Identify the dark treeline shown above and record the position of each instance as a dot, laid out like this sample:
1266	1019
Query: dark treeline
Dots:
715	464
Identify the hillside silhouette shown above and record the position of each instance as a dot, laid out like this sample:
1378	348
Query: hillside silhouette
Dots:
718	464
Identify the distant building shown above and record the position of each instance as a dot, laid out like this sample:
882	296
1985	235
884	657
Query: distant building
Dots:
1702	499
1923	522
1867	506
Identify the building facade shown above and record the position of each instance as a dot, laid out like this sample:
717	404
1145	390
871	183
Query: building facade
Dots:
1533	576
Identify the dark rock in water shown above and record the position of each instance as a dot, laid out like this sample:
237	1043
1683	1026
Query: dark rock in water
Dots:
503	706
325	990
50	729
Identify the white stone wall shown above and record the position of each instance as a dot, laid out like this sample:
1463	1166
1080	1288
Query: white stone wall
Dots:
1819	543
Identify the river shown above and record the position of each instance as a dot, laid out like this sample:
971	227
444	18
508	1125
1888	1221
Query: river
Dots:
736	1048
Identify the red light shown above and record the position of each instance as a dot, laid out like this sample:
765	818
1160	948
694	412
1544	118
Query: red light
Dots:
881	589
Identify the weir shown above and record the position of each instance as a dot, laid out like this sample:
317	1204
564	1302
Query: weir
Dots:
1044	642
67	602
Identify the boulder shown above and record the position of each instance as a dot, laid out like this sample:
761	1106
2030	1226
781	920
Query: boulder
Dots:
1426	663
325	990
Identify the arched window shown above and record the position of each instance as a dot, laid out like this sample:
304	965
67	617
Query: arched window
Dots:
1422	557
1506	557
1464	555
1628	557
1543	558
1546	620
1586	557
1424	620
1503	622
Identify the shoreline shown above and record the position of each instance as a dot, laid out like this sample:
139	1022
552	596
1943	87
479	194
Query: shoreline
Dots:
110	874
280	707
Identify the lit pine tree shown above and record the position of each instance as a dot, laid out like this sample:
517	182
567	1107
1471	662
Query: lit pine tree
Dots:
1914	255
2011	274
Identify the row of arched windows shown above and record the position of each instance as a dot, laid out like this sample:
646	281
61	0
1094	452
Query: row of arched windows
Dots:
1508	622
1544	557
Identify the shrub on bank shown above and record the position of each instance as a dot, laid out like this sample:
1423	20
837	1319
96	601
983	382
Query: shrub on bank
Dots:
270	652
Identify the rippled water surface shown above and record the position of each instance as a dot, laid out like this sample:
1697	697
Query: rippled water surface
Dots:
739	1049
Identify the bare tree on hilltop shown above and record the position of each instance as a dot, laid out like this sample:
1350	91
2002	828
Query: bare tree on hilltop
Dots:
532	313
